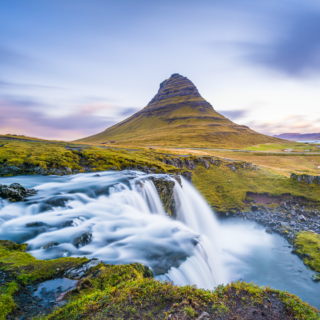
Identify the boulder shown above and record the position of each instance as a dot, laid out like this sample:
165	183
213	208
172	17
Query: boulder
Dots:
165	190
254	208
82	239
190	164
10	170
15	192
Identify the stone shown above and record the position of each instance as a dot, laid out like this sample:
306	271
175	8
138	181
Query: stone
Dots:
36	224
68	170
83	239
77	273
254	208
165	188
302	218
10	170
15	192
190	164
204	315
50	245
187	175
40	170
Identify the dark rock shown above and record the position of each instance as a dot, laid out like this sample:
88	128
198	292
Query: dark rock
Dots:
190	164
15	192
83	239
165	190
57	201
187	175
40	170
50	245
77	273
36	224
10	170
254	208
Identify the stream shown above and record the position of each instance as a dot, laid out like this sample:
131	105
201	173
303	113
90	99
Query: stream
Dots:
118	218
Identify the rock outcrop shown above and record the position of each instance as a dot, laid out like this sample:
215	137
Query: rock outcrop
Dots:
15	192
306	178
165	188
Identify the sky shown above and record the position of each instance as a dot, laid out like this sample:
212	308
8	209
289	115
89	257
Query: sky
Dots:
72	68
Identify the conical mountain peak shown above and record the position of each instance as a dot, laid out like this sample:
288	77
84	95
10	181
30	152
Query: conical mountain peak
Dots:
178	116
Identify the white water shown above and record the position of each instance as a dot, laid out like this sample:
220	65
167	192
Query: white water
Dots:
128	223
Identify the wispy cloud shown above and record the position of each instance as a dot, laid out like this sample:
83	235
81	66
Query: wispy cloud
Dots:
24	117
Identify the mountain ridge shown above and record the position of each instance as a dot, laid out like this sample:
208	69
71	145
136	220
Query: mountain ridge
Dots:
179	116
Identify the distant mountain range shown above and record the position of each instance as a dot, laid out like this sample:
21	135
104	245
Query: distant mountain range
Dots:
179	117
299	136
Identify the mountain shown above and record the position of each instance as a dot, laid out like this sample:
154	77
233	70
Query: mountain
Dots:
299	136
178	116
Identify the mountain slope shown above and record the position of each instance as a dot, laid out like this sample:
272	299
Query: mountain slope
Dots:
179	116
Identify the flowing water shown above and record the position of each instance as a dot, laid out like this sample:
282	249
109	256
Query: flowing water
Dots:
120	219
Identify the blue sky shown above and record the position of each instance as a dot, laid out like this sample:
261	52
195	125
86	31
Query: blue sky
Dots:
72	68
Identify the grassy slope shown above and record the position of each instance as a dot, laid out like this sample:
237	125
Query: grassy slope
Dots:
56	155
226	190
129	292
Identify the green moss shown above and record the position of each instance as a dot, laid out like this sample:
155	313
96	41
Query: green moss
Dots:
25	269
308	246
226	190
150	299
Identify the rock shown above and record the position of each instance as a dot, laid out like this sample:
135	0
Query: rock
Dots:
302	218
50	245
68	170
284	224
190	164
58	201
232	167
268	230
187	175
316	277
165	190
36	225
254	208
15	192
40	170
204	315
83	239
76	273
10	170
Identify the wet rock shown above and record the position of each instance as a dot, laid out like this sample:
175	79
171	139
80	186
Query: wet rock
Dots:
83	239
15	192
58	201
68	170
165	190
36	225
77	273
254	208
50	245
40	170
187	175
10	170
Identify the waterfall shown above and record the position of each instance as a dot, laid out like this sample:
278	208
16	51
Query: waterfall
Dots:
118	217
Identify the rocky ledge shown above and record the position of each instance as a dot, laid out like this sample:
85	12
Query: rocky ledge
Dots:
287	219
306	178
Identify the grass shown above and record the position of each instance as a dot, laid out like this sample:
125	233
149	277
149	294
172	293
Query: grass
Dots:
226	190
24	154
307	245
293	146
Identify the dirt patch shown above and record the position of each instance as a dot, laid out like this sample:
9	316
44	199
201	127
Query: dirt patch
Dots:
264	198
